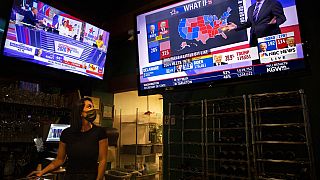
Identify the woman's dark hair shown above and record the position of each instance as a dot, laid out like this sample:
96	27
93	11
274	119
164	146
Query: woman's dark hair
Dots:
76	121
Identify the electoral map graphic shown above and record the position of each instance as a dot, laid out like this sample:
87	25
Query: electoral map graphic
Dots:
204	27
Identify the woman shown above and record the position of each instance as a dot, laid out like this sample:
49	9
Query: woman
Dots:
99	41
83	144
63	29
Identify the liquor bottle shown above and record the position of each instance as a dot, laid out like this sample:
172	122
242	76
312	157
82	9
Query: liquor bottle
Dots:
277	137
241	171
240	138
289	155
230	124
231	170
239	124
289	137
267	137
231	139
223	155
9	166
223	139
304	173
223	170
279	155
240	155
231	155
268	155
300	138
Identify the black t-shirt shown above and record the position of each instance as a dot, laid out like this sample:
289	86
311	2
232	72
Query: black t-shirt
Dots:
82	149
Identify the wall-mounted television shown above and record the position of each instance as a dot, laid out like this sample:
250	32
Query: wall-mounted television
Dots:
55	131
209	42
2	26
42	34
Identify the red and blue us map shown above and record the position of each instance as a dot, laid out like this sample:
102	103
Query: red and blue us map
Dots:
193	27
202	28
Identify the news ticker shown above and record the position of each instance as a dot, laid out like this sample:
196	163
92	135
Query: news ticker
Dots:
55	60
227	74
206	62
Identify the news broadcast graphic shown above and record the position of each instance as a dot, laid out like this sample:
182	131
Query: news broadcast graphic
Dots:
194	41
55	131
44	35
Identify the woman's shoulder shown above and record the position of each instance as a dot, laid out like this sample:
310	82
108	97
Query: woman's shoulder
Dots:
67	130
98	128
101	131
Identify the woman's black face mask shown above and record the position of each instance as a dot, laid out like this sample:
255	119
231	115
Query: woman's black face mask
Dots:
91	115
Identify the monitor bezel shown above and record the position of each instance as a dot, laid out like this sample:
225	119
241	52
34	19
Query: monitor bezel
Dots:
43	72
306	71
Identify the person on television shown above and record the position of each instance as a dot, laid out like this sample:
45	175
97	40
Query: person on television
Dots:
38	52
163	27
99	41
263	47
30	17
63	29
84	144
290	42
178	68
218	60
152	29
264	19
187	64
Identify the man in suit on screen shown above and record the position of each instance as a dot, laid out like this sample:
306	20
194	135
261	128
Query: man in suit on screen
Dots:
263	47
218	60
152	29
30	17
163	28
264	19
290	42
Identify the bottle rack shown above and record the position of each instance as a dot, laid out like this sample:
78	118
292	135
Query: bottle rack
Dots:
209	139
186	144
259	136
23	122
227	138
281	136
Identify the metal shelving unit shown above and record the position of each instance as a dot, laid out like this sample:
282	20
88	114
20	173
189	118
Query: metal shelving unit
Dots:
227	138
281	140
136	155
200	131
142	153
186	155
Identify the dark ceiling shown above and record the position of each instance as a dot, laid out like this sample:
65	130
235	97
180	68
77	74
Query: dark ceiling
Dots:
116	16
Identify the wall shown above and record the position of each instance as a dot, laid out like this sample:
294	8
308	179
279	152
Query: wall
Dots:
128	103
307	82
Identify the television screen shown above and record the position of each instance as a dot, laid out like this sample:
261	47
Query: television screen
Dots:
55	131
206	41
42	34
2	26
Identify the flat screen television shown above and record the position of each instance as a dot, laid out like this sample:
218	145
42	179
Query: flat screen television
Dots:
42	34
2	26
200	42
55	131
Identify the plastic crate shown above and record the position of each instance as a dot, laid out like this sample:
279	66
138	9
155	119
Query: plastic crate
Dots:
146	177
142	149
135	175
156	148
116	175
